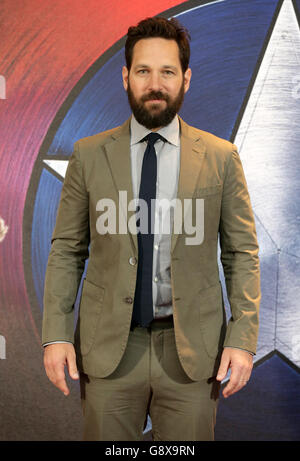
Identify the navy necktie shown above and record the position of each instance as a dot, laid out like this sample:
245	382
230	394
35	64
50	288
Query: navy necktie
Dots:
143	299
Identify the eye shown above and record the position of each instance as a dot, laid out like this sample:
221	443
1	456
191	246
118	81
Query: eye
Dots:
169	72
141	71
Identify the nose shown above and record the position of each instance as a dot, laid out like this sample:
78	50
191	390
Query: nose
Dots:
154	83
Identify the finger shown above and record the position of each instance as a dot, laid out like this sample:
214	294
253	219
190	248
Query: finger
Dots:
60	381
223	369
231	388
72	367
56	374
49	369
237	381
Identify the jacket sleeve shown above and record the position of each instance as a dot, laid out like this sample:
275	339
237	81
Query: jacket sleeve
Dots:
239	257
69	251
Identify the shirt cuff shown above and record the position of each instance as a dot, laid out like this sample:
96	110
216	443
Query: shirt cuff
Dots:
57	342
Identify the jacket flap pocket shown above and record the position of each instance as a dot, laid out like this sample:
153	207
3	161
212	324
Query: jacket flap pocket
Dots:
89	314
92	291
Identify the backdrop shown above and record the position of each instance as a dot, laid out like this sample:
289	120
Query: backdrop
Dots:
60	80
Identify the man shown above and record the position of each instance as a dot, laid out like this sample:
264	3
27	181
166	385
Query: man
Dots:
151	334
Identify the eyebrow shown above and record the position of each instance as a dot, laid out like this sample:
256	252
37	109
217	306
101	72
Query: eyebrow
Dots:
166	66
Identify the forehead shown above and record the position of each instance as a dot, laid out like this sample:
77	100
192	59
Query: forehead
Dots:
155	50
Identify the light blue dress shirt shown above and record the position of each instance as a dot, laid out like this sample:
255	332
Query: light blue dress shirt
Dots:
168	162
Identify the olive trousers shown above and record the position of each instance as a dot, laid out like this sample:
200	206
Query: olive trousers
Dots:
149	380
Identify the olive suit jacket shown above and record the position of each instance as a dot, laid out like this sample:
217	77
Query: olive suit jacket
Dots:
100	167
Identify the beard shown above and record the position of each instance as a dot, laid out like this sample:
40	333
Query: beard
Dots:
154	117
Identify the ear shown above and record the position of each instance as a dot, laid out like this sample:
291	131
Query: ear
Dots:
187	79
125	75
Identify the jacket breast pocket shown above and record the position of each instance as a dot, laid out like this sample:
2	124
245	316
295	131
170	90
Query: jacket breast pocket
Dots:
207	191
89	312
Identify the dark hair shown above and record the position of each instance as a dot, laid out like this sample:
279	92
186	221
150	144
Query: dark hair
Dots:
159	27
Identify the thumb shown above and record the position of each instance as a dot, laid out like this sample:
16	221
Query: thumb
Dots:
73	372
223	369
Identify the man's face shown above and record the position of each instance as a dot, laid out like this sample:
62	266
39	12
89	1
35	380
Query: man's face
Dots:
155	84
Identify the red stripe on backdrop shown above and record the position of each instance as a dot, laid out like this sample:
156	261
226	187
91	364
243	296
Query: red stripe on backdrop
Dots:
45	48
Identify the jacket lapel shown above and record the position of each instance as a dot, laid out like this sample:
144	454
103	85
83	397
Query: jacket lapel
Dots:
192	153
118	156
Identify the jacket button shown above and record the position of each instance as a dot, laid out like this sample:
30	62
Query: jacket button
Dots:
132	261
129	300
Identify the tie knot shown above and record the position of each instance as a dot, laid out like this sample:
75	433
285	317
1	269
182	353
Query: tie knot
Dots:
151	138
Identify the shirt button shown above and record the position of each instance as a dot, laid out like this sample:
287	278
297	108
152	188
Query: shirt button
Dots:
132	261
129	300
156	247
155	279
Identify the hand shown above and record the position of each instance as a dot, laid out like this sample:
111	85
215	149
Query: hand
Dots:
241	364
56	356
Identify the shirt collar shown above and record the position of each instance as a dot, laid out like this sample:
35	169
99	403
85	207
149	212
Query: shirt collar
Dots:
169	132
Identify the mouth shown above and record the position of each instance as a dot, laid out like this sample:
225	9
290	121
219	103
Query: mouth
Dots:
155	101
